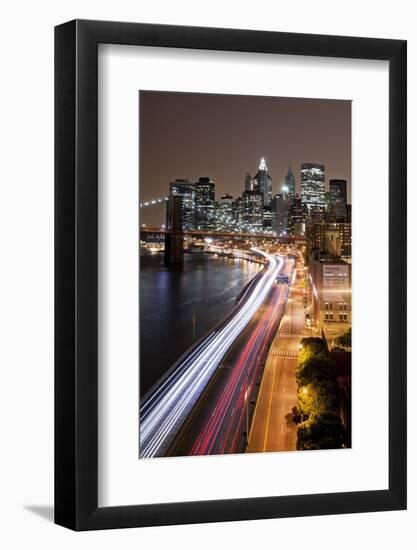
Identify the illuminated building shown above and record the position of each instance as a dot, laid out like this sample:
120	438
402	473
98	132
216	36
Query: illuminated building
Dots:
280	207
224	217
290	184
331	294
338	200
316	237
237	211
252	204
248	182
205	211
185	190
297	215
262	182
312	185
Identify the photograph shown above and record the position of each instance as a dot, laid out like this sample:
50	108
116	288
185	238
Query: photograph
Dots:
245	257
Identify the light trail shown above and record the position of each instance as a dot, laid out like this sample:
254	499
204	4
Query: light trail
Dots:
165	409
221	432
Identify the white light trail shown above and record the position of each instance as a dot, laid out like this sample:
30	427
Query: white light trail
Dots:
167	407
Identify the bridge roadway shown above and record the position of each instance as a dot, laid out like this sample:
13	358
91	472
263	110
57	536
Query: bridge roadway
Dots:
289	239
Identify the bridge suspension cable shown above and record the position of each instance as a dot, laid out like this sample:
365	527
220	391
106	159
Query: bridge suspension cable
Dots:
222	219
152	202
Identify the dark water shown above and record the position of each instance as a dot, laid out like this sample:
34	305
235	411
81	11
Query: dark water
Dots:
169	300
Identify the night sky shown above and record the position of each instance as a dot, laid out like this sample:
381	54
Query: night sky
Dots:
184	135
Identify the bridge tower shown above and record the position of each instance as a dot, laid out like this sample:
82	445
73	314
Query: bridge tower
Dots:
174	247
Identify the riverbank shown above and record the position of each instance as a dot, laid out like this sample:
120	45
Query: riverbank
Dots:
177	308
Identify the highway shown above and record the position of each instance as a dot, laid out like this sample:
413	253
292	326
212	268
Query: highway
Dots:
168	405
271	428
219	423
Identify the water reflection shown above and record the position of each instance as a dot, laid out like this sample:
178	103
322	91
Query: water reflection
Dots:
178	307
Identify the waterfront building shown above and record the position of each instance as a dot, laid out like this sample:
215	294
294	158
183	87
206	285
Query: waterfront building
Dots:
237	212
205	212
224	213
312	185
280	209
185	190
252	211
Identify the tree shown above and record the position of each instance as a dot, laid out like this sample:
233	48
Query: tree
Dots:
315	399
312	344
345	339
327	396
324	431
314	368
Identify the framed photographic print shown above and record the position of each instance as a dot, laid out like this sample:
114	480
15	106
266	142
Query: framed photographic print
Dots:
230	275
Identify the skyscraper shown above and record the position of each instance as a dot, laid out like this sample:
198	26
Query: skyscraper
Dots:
205	212
280	208
185	190
290	183
224	218
237	209
338	199
248	182
312	185
252	210
297	215
262	182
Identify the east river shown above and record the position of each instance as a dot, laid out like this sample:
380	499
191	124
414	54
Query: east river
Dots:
178	307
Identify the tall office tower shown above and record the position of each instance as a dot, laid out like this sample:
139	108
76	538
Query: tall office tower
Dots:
237	209
312	185
248	182
224	213
290	184
252	211
297	215
262	182
205	212
280	208
338	199
184	189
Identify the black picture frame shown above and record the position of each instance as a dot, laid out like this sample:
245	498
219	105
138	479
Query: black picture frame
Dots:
76	272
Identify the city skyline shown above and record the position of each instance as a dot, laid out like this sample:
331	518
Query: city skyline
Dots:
181	134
